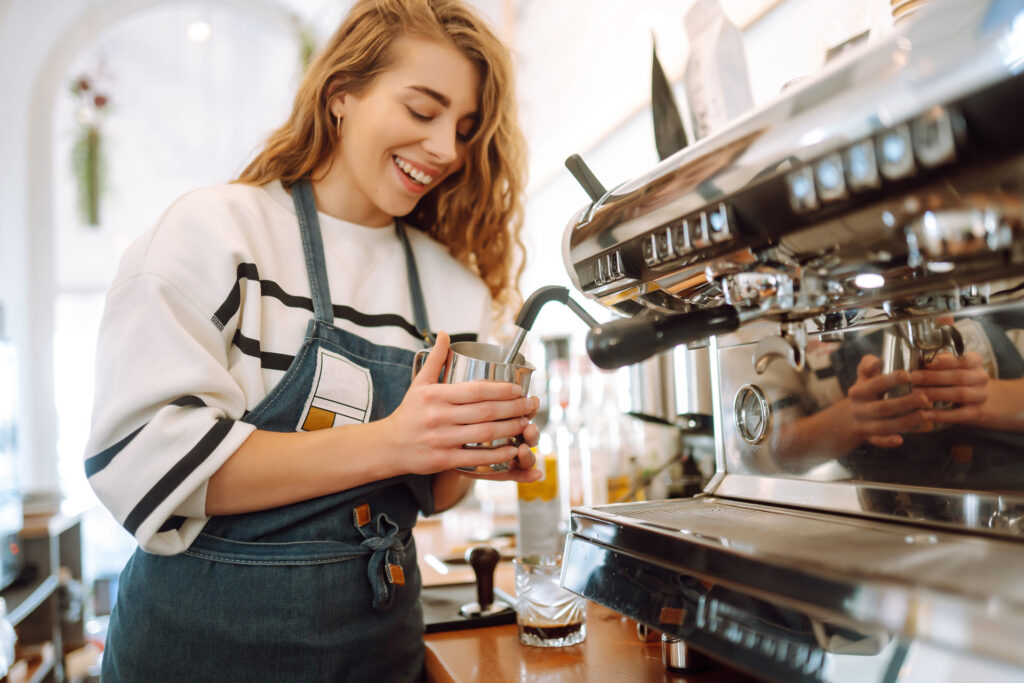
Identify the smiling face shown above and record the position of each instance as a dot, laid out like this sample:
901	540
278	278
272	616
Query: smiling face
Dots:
401	136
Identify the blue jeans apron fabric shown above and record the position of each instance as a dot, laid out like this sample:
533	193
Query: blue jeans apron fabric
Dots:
322	590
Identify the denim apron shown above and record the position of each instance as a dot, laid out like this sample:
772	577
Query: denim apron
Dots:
321	590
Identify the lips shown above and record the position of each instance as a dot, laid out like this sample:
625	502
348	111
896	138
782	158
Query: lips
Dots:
413	173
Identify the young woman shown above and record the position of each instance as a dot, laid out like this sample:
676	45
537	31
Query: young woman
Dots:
255	427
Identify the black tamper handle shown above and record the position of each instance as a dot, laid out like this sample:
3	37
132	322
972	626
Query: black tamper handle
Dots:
483	559
585	177
623	342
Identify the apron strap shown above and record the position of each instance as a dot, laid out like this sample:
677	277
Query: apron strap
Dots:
316	268
313	248
419	305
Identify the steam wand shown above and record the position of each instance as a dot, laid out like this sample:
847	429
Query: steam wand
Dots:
531	307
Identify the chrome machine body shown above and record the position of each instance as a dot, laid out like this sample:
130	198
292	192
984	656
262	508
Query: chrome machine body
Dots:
877	209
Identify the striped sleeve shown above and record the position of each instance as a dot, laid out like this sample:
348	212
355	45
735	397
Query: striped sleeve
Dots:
165	411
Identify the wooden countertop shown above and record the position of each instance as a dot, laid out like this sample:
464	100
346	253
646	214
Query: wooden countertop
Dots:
611	652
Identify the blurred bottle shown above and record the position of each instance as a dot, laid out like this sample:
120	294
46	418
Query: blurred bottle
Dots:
543	507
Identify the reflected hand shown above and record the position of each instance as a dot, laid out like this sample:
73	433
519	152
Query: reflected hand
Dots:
961	382
879	420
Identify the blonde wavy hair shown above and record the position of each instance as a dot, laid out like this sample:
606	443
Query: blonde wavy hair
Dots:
477	212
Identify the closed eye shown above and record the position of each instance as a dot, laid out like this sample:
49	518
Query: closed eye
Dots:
418	116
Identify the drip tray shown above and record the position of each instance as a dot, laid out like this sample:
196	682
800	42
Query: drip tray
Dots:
955	589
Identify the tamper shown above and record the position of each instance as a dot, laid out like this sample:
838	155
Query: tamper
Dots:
483	559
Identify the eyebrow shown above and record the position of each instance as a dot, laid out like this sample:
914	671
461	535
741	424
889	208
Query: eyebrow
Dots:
430	92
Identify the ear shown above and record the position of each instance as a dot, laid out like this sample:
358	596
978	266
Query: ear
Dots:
336	105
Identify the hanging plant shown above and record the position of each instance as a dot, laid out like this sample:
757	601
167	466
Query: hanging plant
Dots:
87	159
306	39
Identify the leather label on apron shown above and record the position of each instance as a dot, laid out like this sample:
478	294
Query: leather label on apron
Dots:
342	394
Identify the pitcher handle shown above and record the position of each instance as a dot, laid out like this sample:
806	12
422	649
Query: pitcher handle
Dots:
418	360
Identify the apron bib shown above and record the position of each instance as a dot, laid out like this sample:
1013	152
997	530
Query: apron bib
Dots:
321	590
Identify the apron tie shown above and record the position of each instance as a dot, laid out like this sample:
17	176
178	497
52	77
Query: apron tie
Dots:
386	553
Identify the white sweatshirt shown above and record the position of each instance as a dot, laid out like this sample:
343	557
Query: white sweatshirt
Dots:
204	315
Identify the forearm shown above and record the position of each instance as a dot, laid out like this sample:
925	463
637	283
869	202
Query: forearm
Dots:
1004	406
272	469
449	488
821	436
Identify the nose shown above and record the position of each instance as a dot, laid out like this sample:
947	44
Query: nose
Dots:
442	143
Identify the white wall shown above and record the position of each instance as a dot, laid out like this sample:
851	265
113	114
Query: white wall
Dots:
39	43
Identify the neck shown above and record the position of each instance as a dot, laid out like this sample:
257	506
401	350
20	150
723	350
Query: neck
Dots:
334	197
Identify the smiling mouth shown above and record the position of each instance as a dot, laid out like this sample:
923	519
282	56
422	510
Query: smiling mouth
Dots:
415	175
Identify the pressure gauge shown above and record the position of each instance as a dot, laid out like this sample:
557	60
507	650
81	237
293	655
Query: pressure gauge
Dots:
752	413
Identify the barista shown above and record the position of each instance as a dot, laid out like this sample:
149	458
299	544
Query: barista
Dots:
255	427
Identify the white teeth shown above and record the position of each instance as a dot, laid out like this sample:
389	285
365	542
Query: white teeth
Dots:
413	173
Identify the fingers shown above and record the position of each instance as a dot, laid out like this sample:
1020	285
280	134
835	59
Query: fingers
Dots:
490	411
482	390
431	369
869	388
869	366
962	395
531	435
959	415
891	407
949	378
886	441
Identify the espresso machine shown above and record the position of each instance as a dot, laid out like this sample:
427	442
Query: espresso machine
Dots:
828	248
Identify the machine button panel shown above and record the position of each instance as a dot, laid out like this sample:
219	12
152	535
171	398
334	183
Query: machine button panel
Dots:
895	153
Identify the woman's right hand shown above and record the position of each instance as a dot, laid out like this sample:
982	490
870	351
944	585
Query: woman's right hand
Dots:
428	429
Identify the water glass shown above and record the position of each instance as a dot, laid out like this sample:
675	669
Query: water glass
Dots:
547	614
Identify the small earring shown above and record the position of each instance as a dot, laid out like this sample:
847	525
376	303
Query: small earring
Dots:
337	126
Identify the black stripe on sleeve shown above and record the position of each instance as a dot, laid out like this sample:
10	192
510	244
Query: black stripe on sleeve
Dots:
177	474
97	462
230	306
268	359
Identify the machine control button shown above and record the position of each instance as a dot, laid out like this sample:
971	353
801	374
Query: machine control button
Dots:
895	153
828	178
600	273
933	136
681	238
650	251
861	166
663	244
719	227
752	413
802	197
615	267
698	231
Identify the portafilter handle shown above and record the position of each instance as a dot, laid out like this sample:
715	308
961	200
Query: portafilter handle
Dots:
631	340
